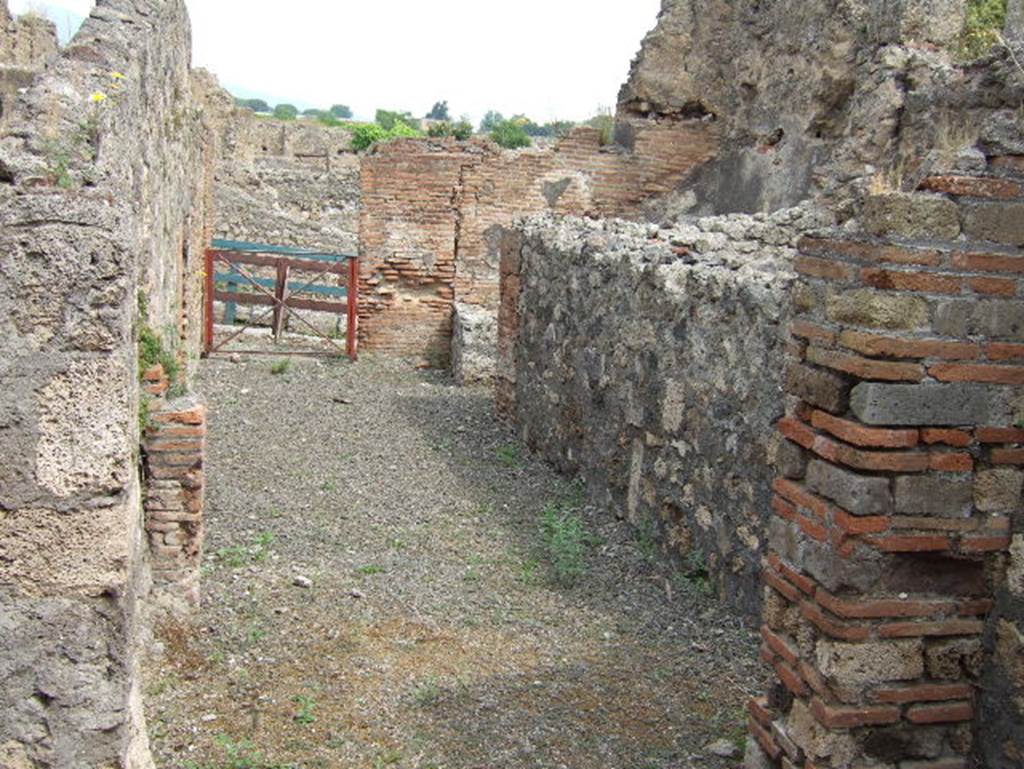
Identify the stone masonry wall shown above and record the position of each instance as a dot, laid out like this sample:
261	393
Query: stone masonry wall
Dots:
815	99
893	583
102	197
25	45
432	213
645	360
285	182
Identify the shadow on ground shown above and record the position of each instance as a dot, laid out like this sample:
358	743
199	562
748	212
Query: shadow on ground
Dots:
434	633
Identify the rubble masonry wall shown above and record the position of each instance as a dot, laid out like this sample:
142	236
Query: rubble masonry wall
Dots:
103	219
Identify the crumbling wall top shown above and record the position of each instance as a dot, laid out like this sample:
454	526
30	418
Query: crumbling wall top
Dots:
26	41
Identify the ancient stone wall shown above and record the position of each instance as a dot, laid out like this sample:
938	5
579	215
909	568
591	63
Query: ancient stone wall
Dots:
290	182
102	203
898	505
812	99
25	45
646	361
432	212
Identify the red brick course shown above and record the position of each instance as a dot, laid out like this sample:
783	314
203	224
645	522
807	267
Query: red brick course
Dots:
897	335
975	187
174	446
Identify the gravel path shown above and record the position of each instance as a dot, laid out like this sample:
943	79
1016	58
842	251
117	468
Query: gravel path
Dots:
378	592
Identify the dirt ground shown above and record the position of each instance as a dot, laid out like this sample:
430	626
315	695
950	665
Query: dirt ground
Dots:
379	590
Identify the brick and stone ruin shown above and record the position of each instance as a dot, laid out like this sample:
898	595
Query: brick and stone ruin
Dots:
778	320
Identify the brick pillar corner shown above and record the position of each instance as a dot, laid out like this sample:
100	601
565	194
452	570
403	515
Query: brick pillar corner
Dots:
174	445
902	469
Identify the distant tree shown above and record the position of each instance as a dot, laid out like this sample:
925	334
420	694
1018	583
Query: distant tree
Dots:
439	111
312	112
461	130
491	121
256	105
341	111
365	135
286	111
531	128
387	119
510	135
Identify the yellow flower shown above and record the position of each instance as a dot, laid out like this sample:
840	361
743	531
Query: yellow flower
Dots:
117	76
98	97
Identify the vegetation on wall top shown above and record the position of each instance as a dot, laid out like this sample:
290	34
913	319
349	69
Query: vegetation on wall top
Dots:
983	28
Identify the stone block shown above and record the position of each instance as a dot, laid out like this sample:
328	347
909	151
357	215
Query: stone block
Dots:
858	494
911	215
474	344
876	309
950	659
998	318
953	317
949	497
996	221
998	490
825	389
856	665
955	404
791	461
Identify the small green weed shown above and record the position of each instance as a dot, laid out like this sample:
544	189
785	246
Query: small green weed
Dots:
647	539
234	556
281	367
528	571
241	754
152	351
262	547
509	455
427	693
695	573
256	633
369	570
387	758
307	705
238	556
983	27
143	415
328	486
565	539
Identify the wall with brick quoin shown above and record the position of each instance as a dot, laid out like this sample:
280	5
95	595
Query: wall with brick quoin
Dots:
128	215
645	359
432	212
893	580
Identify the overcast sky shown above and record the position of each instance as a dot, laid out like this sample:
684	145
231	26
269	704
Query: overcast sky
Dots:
545	58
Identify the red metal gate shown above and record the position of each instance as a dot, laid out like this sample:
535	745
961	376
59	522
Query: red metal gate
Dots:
282	295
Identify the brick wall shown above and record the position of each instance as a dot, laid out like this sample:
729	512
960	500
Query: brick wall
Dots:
432	212
408	235
899	494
